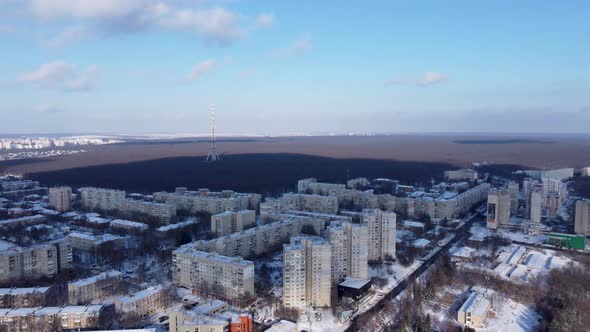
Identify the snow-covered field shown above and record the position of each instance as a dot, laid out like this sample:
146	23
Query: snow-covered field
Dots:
513	235
510	316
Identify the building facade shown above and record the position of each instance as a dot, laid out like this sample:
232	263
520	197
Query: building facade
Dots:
226	278
382	229
475	310
102	199
17	263
59	198
307	272
350	250
86	290
206	201
498	208
50	319
162	211
232	222
143	303
581	224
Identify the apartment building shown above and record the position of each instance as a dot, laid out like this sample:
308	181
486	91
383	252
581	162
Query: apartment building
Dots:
465	174
204	200
514	190
498	208
162	211
102	199
536	204
311	186
232	222
307	272
582	215
86	290
381	229
22	222
90	249
59	198
475	310
143	303
350	250
302	202
226	278
128	226
65	257
17	263
27	297
260	239
50	319
18	185
554	194
194	321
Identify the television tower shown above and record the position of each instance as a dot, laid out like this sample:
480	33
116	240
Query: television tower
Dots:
212	156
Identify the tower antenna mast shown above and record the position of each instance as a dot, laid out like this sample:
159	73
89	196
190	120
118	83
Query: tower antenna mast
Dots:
212	156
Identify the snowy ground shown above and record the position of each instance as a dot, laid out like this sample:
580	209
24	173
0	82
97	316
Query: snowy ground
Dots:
328	322
510	316
513	235
392	272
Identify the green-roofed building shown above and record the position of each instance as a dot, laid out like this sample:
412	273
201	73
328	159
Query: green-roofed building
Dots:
570	241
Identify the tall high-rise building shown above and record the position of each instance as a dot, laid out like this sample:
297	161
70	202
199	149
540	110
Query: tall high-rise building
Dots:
536	203
498	208
381	227
306	272
350	250
513	188
59	198
582	225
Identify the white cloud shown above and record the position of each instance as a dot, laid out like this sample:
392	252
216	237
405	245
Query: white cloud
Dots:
49	109
70	35
200	69
49	73
63	76
430	78
85	9
216	25
299	46
264	20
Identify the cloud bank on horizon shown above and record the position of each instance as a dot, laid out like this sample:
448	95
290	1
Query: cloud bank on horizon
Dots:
116	65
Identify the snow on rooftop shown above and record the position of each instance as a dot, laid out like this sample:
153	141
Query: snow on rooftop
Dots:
5	245
140	295
476	304
169	227
94	279
464	252
128	223
354	283
412	223
283	326
421	243
35	218
515	255
536	261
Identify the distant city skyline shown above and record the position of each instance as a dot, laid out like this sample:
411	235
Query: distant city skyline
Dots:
148	66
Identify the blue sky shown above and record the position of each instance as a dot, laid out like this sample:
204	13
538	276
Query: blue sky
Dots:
149	66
